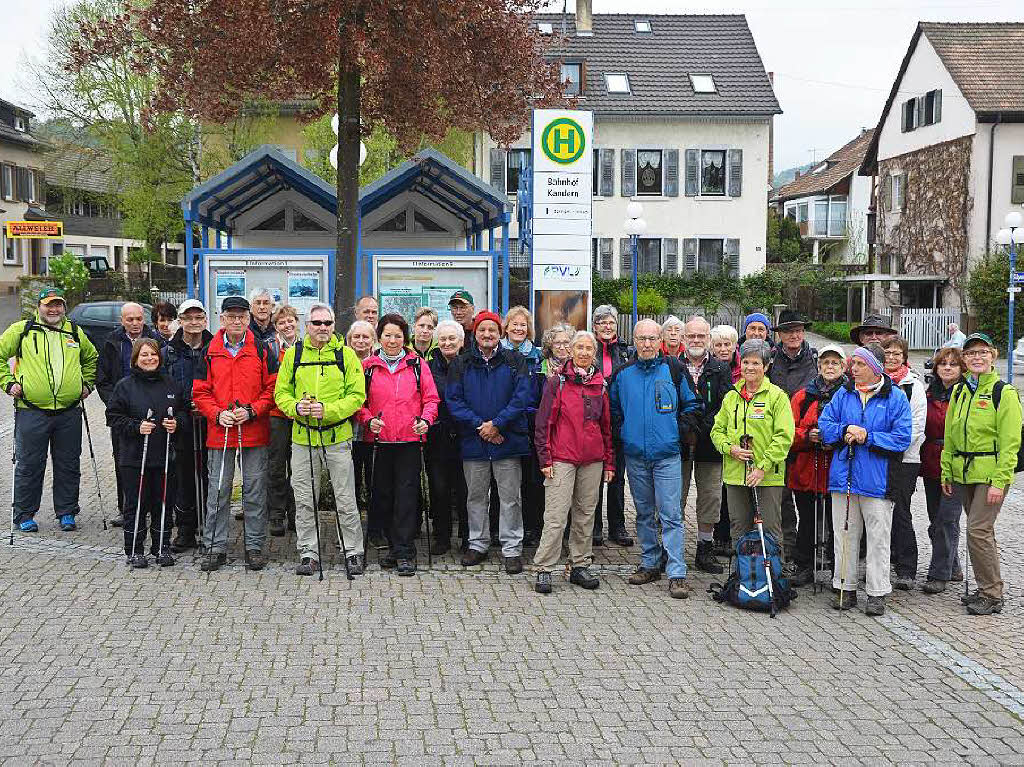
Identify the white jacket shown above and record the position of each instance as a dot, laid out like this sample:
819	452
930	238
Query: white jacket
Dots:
918	413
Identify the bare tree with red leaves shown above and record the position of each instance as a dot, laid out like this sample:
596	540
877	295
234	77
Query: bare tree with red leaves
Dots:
417	67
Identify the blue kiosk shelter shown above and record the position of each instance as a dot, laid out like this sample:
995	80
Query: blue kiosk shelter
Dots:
421	235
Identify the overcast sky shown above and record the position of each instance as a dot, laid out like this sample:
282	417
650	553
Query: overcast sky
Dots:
834	60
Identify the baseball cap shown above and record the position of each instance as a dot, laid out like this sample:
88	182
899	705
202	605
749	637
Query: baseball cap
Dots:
190	303
978	338
234	302
833	349
50	293
462	295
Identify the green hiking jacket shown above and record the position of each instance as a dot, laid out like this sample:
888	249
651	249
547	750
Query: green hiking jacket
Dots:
974	425
319	376
34	370
768	418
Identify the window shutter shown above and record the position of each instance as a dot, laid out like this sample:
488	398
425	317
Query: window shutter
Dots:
498	169
628	172
5	191
671	172
919	105
670	247
732	257
607	183
41	186
23	184
735	172
903	191
690	255
605	260
625	257
937	110
692	172
887	193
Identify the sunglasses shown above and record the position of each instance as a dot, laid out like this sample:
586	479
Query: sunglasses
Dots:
321	323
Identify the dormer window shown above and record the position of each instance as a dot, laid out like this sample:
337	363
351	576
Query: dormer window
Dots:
19	124
545	28
643	26
617	83
703	84
572	78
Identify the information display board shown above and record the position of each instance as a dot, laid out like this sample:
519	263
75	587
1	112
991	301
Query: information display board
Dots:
298	280
406	282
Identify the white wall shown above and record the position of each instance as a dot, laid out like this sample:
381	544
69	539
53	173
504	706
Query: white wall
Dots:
743	217
15	211
858	203
1009	141
925	72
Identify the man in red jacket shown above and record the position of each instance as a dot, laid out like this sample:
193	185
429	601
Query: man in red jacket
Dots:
234	390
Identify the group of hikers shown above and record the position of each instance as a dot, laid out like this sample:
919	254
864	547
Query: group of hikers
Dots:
468	425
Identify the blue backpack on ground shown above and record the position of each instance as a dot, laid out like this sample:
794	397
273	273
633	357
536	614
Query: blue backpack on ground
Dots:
747	586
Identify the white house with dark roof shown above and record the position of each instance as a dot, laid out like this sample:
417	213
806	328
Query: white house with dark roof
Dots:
683	111
948	154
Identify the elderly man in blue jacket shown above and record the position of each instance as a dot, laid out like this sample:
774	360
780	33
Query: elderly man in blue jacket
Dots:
653	406
488	393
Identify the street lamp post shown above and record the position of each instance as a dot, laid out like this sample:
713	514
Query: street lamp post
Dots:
1012	234
634	225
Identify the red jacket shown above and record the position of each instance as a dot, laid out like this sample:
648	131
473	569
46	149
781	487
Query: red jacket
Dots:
221	380
803	453
574	421
934	431
397	397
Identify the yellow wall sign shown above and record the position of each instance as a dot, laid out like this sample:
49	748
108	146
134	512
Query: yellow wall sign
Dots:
35	230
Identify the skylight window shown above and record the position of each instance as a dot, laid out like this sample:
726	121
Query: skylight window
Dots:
642	25
617	83
703	84
545	28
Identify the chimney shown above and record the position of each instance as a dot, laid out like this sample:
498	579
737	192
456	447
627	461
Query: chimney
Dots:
771	138
584	17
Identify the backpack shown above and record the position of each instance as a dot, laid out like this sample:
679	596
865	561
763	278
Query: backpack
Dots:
369	374
31	325
997	395
339	360
747	586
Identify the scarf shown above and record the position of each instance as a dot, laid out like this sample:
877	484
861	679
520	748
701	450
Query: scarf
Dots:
583	376
391	362
871	390
900	374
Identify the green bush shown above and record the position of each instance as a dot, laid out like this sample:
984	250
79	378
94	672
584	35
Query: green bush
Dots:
837	331
68	271
986	288
648	301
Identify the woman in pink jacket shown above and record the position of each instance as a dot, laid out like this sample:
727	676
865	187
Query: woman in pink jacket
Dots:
401	404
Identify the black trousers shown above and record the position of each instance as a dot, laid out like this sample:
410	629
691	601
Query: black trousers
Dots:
447	485
903	539
616	495
186	440
121	500
149	515
280	497
723	529
803	557
396	482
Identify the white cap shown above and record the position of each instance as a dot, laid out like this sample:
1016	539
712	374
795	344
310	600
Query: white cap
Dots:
834	349
190	303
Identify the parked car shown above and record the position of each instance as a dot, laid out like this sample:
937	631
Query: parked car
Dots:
98	318
98	266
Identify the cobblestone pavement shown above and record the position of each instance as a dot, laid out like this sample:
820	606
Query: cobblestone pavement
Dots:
471	667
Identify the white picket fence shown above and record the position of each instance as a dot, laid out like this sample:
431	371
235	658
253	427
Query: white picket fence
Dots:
926	328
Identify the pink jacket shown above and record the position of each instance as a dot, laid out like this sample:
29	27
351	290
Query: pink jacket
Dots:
397	398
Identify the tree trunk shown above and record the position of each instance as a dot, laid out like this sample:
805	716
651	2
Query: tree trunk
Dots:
348	186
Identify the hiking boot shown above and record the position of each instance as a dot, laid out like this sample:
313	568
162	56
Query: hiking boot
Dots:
875	606
643	576
307	566
903	582
620	537
705	560
28	526
388	562
933	587
967	599
138	562
165	560
801	577
185	540
67	522
255	560
849	599
583	578
406	567
723	548
117	521
213	562
473	557
278	528
355	564
513	565
377	540
439	548
678	588
985	606
543	584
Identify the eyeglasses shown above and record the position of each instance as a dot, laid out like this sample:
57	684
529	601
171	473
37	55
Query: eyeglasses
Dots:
562	343
646	339
984	352
321	323
234	318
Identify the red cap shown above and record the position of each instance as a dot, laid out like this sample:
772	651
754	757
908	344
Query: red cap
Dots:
483	317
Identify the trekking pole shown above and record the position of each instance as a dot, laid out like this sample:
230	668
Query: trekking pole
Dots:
316	499
759	524
163	499
197	472
142	477
220	484
846	524
14	470
95	471
819	552
241	474
369	503
337	510
426	482
967	558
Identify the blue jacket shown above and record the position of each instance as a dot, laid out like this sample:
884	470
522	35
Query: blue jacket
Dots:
496	390
181	361
889	424
650	410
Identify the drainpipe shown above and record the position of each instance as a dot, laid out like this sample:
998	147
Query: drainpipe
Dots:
991	161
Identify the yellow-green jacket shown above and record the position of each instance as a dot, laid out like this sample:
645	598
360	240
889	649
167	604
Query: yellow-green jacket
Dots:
319	376
768	418
981	442
47	386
